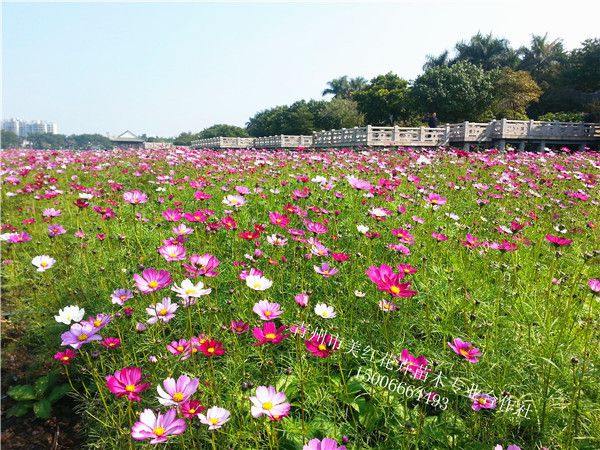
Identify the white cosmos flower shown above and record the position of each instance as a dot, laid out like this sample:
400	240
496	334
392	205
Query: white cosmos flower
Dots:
6	236
258	283
70	314
43	262
324	311
363	229
85	195
359	294
189	289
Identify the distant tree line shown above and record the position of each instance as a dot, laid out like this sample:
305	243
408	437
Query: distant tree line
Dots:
57	141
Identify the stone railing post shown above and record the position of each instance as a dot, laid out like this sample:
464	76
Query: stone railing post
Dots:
529	128
421	134
395	134
465	130
369	135
503	128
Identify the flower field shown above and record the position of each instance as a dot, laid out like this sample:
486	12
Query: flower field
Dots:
306	300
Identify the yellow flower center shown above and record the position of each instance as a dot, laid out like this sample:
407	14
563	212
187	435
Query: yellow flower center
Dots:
163	312
322	347
256	285
326	272
130	388
153	284
178	396
82	337
192	411
240	329
65	358
180	348
159	431
395	289
324	314
122	297
464	352
173	255
213	420
44	264
97	323
270	335
190	291
267	313
267	405
481	401
210	350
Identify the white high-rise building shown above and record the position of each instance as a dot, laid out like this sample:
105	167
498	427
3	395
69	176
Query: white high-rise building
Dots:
23	128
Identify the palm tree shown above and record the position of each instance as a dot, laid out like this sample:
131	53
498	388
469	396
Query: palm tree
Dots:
339	87
543	57
487	51
358	83
442	60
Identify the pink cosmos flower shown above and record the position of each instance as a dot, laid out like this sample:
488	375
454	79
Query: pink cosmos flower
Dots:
387	306
326	270
407	269
239	326
511	447
152	280
387	280
594	284
278	219
163	311
66	356
79	334
111	342
358	184
177	392
158	428
172	215
215	417
557	240
316	227
465	349
269	402
135	197
56	230
267	310
439	236
471	241
302	299
325	444
483	401
182	230
198	216
181	348
322	346
51	212
191	409
18	238
202	265
127	381
269	333
98	321
436	200
417	366
234	200
120	296
172	252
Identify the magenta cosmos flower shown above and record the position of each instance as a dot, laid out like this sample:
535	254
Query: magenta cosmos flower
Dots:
417	366
557	240
325	444
326	270
483	401
269	333
436	200
239	326
191	409
177	392
152	280
135	197
158	427
127	381
465	349
164	311
120	296
267	310
269	402
321	346
79	334
387	280
65	357
202	265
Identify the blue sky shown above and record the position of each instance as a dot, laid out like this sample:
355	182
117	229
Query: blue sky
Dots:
163	68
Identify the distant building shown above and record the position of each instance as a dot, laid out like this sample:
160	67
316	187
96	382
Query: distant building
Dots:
25	128
127	140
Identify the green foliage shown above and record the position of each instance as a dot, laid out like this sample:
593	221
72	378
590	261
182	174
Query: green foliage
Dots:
8	139
487	52
384	101
344	88
47	140
457	93
222	130
185	138
582	71
40	396
563	116
514	92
